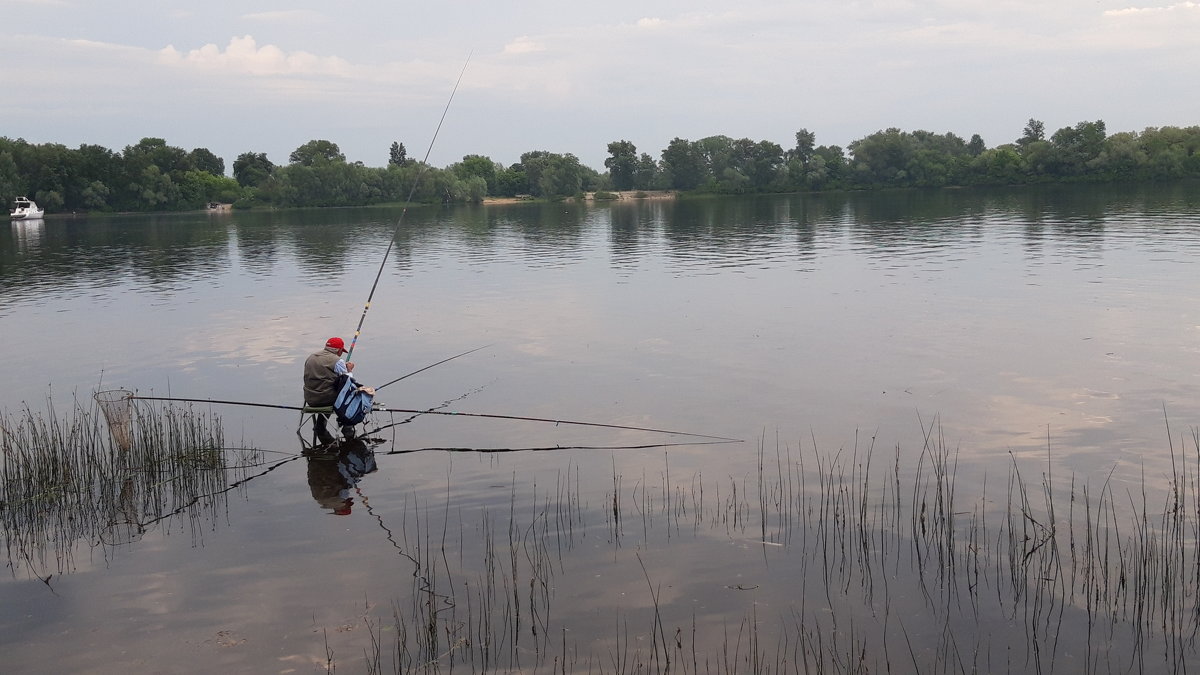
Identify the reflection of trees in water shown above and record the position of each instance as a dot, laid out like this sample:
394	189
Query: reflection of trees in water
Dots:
67	483
163	251
154	251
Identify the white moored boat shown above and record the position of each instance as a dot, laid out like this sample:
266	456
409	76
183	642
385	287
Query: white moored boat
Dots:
25	209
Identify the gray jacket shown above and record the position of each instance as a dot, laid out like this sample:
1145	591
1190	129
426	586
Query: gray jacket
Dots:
320	378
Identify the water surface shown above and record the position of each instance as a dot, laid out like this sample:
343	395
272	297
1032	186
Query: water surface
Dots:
1055	330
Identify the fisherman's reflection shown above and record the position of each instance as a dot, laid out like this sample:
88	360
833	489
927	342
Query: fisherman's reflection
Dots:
333	475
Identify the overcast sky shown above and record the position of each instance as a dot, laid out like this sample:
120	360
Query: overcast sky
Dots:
570	77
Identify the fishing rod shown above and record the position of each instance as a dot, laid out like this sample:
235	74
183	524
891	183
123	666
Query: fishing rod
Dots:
555	421
400	222
552	448
209	400
448	413
421	370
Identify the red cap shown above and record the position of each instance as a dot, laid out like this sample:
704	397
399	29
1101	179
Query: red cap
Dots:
336	343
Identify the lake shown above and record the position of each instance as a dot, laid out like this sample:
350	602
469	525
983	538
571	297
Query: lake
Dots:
967	423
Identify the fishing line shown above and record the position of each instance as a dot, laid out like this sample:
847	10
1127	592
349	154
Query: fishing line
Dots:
400	222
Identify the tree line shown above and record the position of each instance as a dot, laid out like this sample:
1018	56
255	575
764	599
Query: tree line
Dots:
154	176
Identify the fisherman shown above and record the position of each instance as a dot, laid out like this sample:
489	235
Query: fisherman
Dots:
322	371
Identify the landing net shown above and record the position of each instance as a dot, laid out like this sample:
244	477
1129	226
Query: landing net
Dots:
117	407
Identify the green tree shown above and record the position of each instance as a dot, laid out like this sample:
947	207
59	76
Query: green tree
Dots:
762	162
50	200
477	166
151	173
1078	146
976	145
1123	158
99	172
1034	131
10	180
95	196
549	174
646	173
828	168
882	158
252	169
48	169
806	142
153	189
512	181
683	163
202	159
622	164
156	152
397	155
316	152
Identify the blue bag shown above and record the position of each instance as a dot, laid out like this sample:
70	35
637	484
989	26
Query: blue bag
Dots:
352	403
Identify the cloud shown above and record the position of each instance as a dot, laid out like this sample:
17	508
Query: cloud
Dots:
244	56
1133	11
524	45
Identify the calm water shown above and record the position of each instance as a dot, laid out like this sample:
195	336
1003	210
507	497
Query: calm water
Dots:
1052	330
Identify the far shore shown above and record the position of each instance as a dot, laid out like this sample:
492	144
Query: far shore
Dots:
622	195
223	208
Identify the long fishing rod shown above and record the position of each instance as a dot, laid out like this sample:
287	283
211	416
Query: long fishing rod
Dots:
552	448
400	222
554	421
449	413
209	400
421	370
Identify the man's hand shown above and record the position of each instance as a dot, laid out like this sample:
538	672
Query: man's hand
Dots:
349	366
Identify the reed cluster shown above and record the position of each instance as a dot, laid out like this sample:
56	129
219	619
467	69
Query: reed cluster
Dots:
70	480
865	563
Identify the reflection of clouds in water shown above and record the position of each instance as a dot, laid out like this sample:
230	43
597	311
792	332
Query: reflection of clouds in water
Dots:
657	344
566	318
284	337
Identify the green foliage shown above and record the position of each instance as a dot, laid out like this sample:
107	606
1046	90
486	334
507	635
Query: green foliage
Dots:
1033	132
478	166
547	175
683	163
10	178
474	189
152	175
316	152
622	164
512	181
397	154
976	146
95	196
252	169
202	159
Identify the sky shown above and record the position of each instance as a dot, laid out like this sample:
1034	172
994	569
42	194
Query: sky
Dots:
243	76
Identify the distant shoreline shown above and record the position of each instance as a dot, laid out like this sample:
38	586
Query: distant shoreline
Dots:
622	195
